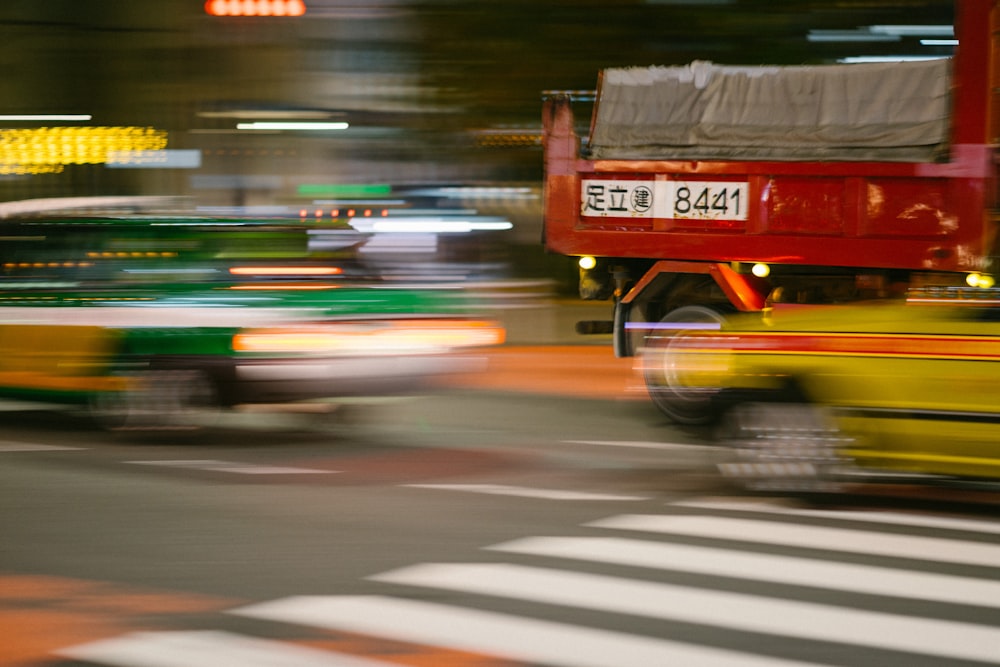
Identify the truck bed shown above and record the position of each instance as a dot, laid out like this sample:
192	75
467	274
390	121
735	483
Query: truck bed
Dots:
872	111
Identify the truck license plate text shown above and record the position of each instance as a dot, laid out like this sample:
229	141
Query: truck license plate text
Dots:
699	200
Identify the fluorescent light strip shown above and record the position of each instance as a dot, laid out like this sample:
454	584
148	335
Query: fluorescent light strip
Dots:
45	117
427	226
849	36
885	59
247	114
914	30
288	125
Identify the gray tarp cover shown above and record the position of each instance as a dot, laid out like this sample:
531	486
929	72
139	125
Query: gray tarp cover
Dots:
896	111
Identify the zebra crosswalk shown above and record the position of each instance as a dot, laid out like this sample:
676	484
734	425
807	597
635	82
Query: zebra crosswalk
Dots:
703	582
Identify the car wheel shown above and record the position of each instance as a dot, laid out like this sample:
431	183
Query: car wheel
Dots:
681	403
157	399
782	446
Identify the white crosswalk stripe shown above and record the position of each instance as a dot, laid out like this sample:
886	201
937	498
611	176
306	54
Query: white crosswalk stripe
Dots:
524	492
764	567
893	518
502	635
880	587
811	537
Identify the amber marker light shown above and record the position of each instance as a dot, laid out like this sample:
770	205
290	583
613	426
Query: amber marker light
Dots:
255	7
981	280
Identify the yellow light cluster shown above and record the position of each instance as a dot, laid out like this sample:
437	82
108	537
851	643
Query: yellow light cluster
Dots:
22	169
981	280
43	265
507	139
47	150
122	254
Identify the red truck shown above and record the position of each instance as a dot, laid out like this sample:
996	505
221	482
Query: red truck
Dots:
704	190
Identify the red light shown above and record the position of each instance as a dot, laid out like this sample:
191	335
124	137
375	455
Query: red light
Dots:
319	213
255	7
350	213
368	213
385	213
303	213
286	270
335	213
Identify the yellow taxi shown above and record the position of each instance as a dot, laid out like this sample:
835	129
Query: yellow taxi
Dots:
810	396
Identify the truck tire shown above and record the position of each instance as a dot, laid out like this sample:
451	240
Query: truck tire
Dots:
682	404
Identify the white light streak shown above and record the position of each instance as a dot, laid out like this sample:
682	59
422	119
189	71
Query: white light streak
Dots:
291	125
413	225
50	116
914	30
885	59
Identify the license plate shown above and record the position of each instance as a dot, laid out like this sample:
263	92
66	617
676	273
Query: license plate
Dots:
678	200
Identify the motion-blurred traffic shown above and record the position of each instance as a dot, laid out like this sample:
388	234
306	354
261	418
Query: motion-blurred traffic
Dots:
319	268
152	320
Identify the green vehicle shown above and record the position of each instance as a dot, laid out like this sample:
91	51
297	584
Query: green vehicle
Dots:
147	322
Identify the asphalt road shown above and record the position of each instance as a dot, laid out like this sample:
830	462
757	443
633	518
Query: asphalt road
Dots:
541	513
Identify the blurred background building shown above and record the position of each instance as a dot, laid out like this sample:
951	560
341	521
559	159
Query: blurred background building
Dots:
433	102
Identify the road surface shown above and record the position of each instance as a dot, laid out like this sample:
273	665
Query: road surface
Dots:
542	513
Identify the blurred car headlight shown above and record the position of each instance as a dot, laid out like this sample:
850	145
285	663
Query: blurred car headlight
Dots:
378	337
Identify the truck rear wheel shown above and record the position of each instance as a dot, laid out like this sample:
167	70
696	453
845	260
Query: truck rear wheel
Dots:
681	403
